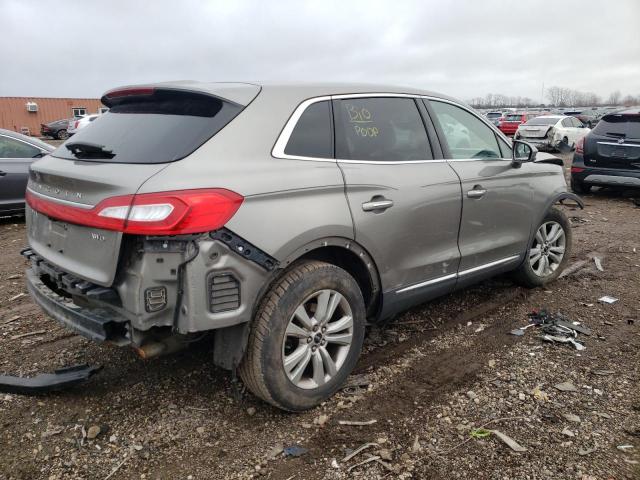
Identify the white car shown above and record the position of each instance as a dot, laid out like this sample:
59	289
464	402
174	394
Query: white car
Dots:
552	132
81	122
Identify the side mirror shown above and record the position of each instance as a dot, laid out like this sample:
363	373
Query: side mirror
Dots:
522	152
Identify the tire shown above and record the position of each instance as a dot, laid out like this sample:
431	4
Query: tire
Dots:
277	333
580	187
62	134
532	272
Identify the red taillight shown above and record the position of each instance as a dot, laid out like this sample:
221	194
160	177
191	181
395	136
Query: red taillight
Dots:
163	213
129	92
577	169
75	125
580	146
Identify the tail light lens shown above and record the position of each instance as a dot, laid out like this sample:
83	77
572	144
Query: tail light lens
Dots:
75	125
163	213
577	169
580	146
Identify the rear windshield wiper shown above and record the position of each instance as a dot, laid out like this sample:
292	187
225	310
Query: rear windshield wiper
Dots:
89	150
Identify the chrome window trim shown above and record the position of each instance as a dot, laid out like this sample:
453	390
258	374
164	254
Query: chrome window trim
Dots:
60	200
616	144
285	134
458	274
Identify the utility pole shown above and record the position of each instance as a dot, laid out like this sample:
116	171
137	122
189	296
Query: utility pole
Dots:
542	94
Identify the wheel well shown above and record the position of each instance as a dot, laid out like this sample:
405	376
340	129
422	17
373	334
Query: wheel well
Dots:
360	267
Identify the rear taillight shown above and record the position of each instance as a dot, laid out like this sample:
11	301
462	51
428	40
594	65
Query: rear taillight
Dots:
580	146
163	213
75	125
577	169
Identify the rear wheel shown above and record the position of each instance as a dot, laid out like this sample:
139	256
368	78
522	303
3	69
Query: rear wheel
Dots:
62	135
579	187
548	252
306	337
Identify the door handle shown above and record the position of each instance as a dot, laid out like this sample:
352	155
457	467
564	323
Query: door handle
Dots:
2	174
377	205
477	192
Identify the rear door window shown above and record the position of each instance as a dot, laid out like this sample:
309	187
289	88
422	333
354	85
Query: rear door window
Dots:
158	127
380	129
466	135
312	135
10	148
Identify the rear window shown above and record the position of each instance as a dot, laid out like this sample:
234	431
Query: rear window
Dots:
494	115
156	128
619	126
513	118
542	121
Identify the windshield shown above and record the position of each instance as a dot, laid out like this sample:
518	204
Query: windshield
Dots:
542	121
619	126
160	127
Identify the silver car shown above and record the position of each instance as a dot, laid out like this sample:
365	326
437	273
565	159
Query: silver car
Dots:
282	218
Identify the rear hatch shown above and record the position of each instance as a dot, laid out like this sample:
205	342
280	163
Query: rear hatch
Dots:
537	127
614	142
145	129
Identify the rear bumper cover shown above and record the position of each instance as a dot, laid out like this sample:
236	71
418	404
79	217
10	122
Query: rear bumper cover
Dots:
606	177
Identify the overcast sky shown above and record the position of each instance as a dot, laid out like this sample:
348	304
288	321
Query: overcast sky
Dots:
461	48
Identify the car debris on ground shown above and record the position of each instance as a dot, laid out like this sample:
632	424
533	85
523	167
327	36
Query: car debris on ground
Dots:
556	328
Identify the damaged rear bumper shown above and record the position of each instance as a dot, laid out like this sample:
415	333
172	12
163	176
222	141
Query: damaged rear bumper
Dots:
97	324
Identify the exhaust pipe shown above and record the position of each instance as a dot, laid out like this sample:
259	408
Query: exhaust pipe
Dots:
157	349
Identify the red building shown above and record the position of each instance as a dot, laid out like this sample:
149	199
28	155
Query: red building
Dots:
25	114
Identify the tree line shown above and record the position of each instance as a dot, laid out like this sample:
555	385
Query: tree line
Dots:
556	97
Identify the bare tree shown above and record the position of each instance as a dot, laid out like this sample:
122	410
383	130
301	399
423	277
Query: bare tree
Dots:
614	98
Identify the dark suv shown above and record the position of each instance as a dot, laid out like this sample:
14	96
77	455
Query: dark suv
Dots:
609	155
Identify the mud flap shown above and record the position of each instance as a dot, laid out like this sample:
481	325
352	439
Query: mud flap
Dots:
47	382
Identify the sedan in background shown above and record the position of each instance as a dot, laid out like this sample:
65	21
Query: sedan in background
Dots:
81	122
17	153
588	117
610	155
552	132
510	123
56	129
494	117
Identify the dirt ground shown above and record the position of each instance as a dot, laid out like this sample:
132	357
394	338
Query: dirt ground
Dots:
441	371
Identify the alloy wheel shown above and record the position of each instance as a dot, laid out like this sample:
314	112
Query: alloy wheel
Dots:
548	248
317	339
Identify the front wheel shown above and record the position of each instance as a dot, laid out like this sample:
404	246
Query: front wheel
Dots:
548	252
306	337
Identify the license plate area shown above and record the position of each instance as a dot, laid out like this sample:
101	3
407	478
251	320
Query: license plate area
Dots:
89	253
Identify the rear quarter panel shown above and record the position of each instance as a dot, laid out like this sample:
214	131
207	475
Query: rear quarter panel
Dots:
287	203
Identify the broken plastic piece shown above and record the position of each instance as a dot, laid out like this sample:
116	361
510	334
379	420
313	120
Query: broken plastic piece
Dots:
608	299
294	451
47	382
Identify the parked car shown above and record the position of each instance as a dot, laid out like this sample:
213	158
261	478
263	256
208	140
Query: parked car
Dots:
494	117
511	121
80	123
552	132
56	129
588	117
228	208
609	156
17	152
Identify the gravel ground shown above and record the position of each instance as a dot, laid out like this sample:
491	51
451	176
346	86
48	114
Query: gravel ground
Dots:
440	372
